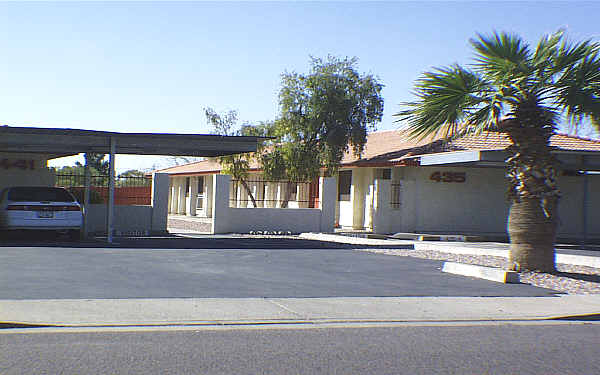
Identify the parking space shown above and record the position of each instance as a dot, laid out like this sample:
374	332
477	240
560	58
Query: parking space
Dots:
226	267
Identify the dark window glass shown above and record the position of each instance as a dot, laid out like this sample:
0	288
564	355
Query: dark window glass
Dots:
187	186
39	194
386	174
344	184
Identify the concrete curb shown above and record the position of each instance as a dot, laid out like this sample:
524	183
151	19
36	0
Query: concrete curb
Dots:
222	311
355	240
481	272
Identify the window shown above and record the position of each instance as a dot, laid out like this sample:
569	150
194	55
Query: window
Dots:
396	198
384	174
39	194
344	184
187	186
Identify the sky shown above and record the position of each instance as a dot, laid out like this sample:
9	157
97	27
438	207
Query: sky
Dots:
154	66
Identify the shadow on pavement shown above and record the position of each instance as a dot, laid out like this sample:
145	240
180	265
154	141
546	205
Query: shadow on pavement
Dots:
168	241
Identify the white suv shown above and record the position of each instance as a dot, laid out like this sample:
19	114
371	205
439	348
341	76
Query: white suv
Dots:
40	208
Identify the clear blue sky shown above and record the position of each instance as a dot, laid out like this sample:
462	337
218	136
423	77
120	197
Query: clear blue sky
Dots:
153	67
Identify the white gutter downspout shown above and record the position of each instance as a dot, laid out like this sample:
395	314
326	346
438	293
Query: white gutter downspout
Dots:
111	191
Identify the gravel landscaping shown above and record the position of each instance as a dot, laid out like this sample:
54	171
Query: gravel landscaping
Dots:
568	279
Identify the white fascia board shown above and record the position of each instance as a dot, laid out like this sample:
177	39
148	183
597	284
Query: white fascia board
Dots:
451	157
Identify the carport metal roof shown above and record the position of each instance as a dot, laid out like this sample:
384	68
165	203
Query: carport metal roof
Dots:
64	142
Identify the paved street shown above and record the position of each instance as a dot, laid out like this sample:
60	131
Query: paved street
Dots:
184	268
472	349
227	305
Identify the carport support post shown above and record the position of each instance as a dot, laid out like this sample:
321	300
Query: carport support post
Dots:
111	191
86	196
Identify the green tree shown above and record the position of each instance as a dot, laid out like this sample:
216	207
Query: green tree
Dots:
236	165
97	163
523	92
323	114
133	177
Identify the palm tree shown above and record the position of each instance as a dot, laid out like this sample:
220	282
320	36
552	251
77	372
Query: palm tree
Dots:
524	93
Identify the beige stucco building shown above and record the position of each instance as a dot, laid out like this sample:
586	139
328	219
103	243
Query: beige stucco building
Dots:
431	186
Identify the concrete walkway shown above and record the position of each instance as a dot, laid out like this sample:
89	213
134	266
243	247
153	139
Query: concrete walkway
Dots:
216	311
564	256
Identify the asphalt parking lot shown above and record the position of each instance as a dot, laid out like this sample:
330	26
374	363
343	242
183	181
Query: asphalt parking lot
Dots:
223	267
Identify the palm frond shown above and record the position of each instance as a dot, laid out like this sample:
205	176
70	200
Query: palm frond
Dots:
502	57
569	54
546	50
446	99
578	90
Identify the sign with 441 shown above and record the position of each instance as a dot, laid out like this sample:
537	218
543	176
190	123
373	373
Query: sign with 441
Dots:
17	164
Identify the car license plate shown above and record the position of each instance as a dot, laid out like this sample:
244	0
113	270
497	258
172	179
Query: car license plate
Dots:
45	214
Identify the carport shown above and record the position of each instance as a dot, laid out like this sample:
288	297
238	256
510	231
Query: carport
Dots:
59	142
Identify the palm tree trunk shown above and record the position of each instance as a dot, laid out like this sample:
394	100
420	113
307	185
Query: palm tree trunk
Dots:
532	221
532	235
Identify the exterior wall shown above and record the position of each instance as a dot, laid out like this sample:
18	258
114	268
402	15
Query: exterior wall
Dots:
477	206
16	170
572	207
160	202
593	207
242	220
128	219
474	206
134	219
385	218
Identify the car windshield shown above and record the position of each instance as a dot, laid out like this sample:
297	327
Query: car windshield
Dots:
39	194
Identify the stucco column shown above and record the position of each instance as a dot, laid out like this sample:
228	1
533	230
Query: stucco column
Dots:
281	189
358	198
181	196
302	195
221	194
174	195
369	183
192	203
260	196
382	207
243	196
233	193
160	202
170	201
327	195
208	195
270	194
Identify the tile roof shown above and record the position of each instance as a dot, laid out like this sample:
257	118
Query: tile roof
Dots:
392	147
